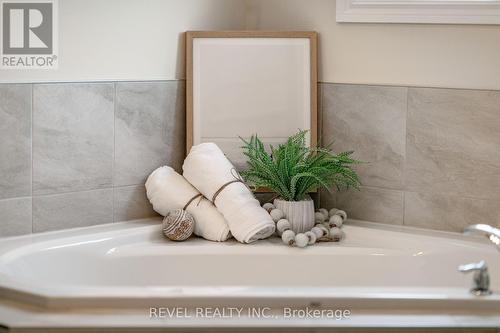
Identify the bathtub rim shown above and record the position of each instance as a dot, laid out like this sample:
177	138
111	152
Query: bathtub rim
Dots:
145	222
30	310
64	298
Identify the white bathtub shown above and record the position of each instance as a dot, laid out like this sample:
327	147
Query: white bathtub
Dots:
127	274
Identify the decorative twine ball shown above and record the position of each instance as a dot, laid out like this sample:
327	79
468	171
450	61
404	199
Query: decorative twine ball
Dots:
268	206
333	211
324	212
301	240
336	221
336	234
319	217
342	214
283	225
311	237
276	214
178	225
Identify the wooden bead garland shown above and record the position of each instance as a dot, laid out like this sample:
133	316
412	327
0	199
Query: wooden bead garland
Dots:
335	221
319	217
178	225
327	228
301	240
268	206
276	214
311	237
282	225
324	212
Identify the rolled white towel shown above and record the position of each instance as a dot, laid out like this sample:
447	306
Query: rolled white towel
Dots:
207	169
167	190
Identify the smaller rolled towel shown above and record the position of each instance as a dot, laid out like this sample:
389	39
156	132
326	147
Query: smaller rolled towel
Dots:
167	190
214	176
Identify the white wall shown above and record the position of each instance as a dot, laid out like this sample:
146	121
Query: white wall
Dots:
129	39
141	40
454	56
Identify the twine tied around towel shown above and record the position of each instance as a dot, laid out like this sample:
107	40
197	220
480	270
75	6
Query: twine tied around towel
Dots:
237	179
199	195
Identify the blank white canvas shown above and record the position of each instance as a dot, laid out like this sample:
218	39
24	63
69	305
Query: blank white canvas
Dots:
245	86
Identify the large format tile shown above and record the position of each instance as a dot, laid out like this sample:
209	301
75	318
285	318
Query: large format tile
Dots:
15	217
371	121
150	129
72	137
72	210
327	199
15	140
372	204
131	203
453	140
450	213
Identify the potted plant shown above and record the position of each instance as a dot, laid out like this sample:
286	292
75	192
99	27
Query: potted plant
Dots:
293	170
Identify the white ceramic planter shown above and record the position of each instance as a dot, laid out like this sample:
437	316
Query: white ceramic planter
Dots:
300	214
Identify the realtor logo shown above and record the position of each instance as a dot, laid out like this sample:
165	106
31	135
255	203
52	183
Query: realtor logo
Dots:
29	38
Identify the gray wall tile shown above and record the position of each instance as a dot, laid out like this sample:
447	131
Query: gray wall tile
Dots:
15	217
131	203
371	121
328	200
15	140
453	140
372	204
73	137
451	213
71	210
451	175
150	129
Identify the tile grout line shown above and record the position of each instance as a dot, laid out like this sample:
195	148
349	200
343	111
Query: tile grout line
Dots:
183	80
76	191
32	109
406	151
91	81
114	152
407	86
320	125
141	184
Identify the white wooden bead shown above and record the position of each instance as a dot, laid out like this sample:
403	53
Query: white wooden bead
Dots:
336	234
319	217
311	237
336	221
325	212
323	228
288	237
268	206
333	211
318	232
283	225
301	240
276	214
342	214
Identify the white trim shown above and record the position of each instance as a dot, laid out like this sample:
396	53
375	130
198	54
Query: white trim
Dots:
419	11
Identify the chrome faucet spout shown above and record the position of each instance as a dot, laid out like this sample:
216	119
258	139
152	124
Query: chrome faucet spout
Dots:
481	281
492	233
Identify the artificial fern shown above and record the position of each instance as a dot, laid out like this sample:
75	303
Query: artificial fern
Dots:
293	169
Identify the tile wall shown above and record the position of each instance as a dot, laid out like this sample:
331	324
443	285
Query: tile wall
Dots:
433	154
77	154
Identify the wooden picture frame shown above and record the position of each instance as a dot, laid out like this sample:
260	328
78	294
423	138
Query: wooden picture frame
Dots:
311	36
